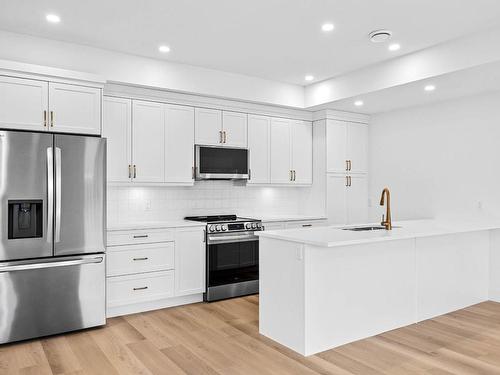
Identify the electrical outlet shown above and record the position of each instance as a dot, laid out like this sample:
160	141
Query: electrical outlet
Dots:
147	206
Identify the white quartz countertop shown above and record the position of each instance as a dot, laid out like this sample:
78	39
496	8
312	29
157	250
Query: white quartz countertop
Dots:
154	225
278	218
333	236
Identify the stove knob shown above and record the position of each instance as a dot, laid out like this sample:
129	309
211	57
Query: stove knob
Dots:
218	228
248	226
224	227
211	228
254	226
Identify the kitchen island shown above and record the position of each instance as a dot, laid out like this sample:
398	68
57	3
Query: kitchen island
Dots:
324	287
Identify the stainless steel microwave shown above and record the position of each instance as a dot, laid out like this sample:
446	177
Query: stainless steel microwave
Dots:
221	163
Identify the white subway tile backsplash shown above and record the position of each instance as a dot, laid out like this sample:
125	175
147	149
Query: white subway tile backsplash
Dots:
143	203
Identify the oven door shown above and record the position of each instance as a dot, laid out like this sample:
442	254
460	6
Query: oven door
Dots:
232	265
221	163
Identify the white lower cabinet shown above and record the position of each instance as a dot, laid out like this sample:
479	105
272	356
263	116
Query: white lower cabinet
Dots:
189	261
347	199
154	268
142	287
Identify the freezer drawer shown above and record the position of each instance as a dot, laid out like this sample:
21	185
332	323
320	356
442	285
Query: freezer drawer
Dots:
49	296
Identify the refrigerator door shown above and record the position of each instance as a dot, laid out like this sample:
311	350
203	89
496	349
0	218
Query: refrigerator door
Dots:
80	184
47	296
26	198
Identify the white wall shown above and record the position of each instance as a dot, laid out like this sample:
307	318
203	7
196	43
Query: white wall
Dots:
138	204
142	71
438	160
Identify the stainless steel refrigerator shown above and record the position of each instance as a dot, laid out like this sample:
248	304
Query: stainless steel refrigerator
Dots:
52	234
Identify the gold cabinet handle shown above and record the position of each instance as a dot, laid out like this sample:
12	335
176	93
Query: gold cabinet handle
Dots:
51	119
135	171
45	119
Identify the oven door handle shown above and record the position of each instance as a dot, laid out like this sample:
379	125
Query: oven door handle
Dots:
212	240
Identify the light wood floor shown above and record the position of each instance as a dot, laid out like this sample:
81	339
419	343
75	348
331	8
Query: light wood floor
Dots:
222	338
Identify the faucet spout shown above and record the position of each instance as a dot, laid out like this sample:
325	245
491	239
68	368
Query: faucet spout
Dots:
385	198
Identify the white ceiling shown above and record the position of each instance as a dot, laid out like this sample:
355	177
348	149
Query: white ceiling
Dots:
279	40
467	82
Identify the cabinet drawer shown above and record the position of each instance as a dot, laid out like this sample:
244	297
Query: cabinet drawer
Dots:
124	290
124	260
131	237
306	224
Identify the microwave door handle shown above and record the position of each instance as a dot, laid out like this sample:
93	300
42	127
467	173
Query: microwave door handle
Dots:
50	193
58	195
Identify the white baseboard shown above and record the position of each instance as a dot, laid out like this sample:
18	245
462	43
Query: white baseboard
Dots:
153	305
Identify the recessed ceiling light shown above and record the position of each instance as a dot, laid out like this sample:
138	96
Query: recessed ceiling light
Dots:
309	77
429	88
358	103
327	27
394	46
379	36
53	18
164	49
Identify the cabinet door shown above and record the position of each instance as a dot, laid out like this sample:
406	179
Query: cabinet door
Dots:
357	199
336	150
75	109
234	125
179	143
280	151
117	128
357	147
148	141
189	261
208	126
301	138
336	198
258	145
23	104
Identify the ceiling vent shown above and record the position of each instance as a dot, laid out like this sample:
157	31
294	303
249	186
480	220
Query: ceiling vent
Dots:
379	36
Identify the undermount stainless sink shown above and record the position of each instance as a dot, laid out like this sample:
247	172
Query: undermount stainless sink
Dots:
365	228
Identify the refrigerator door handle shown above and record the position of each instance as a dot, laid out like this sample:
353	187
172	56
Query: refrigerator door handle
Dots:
50	193
29	265
57	237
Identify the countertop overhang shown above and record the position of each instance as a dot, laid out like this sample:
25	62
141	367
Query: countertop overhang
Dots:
333	236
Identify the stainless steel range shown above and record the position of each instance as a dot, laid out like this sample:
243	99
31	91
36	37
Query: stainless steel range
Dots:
232	256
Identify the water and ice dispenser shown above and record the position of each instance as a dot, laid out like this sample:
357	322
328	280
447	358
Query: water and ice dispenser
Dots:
25	219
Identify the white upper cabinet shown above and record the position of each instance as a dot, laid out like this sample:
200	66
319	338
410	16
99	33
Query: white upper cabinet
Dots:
179	143
301	140
259	135
23	104
347	147
220	128
291	151
148	146
336	141
347	199
357	147
357	199
74	109
117	128
234	129
208	127
281	171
